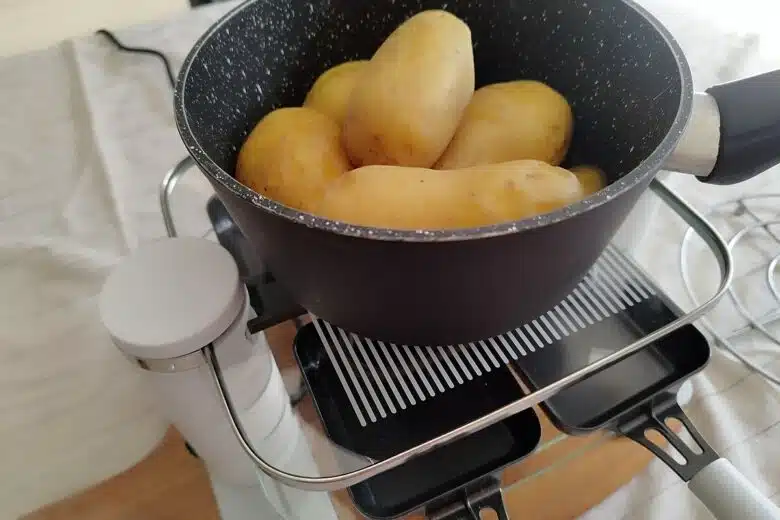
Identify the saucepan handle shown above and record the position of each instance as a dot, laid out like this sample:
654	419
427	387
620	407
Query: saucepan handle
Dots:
729	495
749	127
733	133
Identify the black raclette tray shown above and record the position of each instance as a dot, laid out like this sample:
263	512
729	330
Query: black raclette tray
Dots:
637	394
602	399
430	476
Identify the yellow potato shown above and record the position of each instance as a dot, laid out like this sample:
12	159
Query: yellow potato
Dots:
331	92
419	198
591	178
291	155
511	121
406	105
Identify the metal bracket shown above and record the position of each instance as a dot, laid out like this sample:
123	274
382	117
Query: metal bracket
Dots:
273	305
467	503
277	306
653	417
167	186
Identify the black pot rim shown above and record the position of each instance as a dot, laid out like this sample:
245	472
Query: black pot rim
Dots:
648	167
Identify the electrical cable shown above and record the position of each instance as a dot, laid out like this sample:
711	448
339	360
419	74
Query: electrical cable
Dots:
142	50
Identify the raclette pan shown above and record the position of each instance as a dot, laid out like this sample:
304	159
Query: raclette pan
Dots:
637	398
453	482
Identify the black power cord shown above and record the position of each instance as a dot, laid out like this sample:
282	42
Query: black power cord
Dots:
141	50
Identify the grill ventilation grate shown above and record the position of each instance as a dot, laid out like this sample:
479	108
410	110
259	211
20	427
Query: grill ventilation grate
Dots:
381	379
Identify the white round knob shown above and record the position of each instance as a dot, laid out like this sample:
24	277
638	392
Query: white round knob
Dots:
171	297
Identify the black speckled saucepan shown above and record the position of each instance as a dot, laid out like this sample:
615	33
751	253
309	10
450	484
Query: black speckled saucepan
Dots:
636	112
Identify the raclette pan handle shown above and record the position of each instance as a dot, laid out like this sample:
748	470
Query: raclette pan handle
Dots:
485	494
729	495
714	480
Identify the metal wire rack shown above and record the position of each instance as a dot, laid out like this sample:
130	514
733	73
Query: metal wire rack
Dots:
753	223
612	281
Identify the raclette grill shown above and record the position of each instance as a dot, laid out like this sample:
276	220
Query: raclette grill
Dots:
436	424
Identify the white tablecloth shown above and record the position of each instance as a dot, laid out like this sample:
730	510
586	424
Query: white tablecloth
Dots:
86	134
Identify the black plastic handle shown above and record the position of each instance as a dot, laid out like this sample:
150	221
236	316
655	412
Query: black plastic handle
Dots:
749	127
654	416
273	305
470	501
268	297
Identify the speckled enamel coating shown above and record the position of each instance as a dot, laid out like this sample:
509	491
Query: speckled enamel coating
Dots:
625	77
266	54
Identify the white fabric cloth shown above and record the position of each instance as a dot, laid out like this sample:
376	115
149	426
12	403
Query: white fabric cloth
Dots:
73	410
87	135
77	192
27	25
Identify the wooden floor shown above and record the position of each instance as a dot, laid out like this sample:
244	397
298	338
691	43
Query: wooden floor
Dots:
172	485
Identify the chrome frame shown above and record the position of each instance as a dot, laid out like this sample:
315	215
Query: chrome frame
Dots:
184	363
167	186
334	482
755	324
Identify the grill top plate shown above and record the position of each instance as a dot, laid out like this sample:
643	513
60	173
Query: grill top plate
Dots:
380	379
398	412
378	399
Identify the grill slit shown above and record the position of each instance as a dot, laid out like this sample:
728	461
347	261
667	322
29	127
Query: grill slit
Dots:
460	363
383	368
516	343
499	351
489	353
507	346
347	345
596	292
594	306
478	355
471	361
571	328
533	335
424	359
549	326
446	358
637	274
437	363
412	379
398	374
543	333
579	312
340	374
619	290
419	371
631	286
378	380
352	378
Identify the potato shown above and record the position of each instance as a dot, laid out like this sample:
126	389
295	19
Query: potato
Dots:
419	198
331	91
406	105
511	121
591	178
291	155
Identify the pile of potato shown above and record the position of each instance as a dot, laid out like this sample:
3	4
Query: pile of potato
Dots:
403	141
